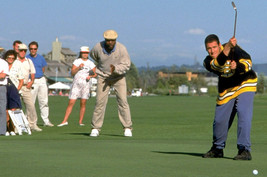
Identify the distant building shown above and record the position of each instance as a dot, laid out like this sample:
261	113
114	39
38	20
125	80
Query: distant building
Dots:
210	78
61	54
189	75
58	72
2	51
59	63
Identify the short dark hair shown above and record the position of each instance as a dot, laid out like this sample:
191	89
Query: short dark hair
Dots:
211	38
33	43
80	55
10	52
17	42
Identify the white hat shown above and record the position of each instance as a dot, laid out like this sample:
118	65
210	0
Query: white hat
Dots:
23	47
84	49
110	34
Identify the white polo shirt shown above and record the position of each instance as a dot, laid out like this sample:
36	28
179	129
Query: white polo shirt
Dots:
4	69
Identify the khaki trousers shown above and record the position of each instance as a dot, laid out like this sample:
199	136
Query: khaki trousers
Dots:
30	107
103	88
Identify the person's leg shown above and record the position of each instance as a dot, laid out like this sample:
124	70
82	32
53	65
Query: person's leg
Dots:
68	110
9	125
221	124
43	100
245	114
3	103
123	106
30	107
101	103
224	116
82	110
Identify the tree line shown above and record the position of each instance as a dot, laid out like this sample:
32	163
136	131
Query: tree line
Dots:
147	79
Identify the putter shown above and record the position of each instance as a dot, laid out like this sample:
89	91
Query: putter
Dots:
233	4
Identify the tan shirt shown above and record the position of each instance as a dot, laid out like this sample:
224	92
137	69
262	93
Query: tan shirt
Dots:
119	58
27	68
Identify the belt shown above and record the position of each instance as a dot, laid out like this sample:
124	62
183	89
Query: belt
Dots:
39	77
2	85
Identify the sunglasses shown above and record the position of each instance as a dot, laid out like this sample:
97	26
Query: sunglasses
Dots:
33	48
23	50
11	58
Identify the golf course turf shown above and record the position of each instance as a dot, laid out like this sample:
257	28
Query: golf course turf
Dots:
170	133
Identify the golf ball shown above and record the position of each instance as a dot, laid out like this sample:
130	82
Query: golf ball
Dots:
255	172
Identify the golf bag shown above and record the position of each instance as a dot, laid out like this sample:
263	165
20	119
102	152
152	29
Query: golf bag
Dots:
20	122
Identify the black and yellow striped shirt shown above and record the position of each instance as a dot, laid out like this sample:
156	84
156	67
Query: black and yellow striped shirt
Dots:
232	82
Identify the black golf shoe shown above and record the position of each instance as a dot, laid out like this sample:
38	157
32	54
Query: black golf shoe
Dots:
213	153
243	155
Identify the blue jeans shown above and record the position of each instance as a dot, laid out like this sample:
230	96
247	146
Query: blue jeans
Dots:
224	116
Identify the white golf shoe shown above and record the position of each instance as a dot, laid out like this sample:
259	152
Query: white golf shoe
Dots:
128	132
94	133
12	133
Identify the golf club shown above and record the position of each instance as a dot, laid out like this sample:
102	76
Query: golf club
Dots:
233	4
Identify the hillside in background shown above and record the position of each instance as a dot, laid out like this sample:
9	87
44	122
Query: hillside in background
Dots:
259	68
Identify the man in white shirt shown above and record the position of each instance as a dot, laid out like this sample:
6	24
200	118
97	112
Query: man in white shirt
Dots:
28	70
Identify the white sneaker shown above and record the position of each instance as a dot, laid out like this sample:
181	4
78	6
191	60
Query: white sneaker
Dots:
49	124
63	124
36	128
128	132
12	133
7	134
94	133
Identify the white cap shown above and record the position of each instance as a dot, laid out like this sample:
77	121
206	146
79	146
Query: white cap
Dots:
23	47
84	49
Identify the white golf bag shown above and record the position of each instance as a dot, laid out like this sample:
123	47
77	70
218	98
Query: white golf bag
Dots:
20	122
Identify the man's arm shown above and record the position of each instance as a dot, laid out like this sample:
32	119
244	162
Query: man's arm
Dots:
123	65
242	62
2	75
29	84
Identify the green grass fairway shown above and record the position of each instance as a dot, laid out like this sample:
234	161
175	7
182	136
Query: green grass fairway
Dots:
170	135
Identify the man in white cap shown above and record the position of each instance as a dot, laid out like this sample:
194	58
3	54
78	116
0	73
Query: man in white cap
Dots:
112	61
28	69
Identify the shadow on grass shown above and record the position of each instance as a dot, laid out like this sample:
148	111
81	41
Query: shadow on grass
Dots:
112	135
84	134
88	134
186	153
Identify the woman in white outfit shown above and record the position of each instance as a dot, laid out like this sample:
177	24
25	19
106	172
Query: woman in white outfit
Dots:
82	69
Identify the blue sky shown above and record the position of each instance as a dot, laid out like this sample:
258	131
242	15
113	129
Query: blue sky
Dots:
155	32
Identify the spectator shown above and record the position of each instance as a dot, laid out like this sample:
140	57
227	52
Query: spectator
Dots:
81	69
40	89
15	82
3	101
28	69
